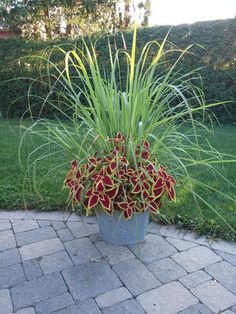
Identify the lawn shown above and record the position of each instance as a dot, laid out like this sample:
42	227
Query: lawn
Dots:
17	192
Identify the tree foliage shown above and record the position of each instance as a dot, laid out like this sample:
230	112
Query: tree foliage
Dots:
48	19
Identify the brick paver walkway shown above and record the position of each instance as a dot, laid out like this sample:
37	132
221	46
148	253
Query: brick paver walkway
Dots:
56	263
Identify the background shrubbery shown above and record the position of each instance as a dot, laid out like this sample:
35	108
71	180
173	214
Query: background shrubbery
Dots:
214	51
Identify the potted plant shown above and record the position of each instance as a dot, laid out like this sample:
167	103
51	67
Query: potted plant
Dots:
122	187
132	134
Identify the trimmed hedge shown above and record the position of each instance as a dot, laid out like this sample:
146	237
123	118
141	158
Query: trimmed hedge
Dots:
214	50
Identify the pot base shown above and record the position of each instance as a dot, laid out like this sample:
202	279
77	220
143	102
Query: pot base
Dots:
114	229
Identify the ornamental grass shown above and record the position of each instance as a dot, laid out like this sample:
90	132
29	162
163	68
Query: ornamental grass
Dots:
132	143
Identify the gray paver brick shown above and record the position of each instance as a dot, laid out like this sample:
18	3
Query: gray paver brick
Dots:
55	215
36	235
7	240
5	302
32	269
112	297
54	304
65	235
233	308
194	237
11	275
136	277
166	270
225	273
44	223
55	262
58	225
34	291
172	231
228	257
80	229
153	227
128	306
89	219
90	279
9	257
181	245
24	225
228	247
95	238
169	299
4	225
152	249
194	279
28	310
196	258
16	214
197	309
227	312
114	253
214	296
85	307
38	249
74	217
82	251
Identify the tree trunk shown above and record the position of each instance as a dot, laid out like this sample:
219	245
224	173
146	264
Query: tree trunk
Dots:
127	14
47	24
68	29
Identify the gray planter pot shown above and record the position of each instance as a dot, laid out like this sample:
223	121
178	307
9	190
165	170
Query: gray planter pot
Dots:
114	229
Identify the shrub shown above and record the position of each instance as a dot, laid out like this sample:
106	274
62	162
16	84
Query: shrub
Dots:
213	53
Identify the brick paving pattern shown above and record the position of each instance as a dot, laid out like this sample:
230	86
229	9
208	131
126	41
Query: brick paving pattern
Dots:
56	263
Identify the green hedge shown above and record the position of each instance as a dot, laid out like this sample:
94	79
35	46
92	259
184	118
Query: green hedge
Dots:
214	50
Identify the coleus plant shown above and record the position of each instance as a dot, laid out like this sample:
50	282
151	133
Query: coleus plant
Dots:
112	182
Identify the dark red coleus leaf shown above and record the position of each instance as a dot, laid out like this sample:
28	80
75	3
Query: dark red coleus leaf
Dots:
137	188
112	166
119	195
112	192
168	184
70	184
78	194
145	154
154	205
158	187
171	193
119	137
128	207
127	213
74	165
100	187
92	201
171	179
130	172
91	169
121	175
146	144
107	181
151	169
105	201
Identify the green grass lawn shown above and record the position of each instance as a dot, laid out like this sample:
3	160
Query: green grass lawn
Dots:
16	188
